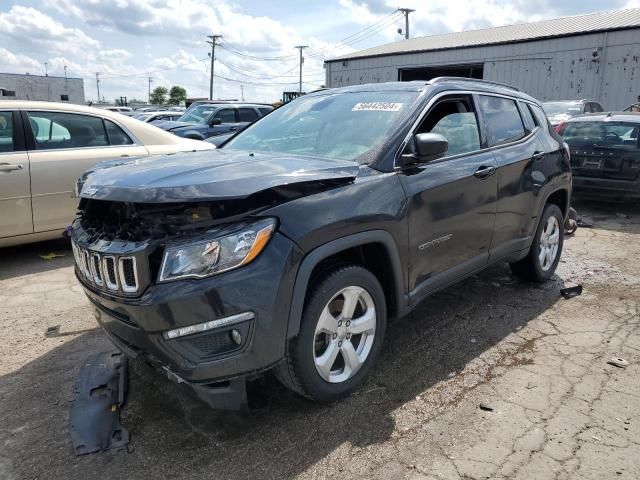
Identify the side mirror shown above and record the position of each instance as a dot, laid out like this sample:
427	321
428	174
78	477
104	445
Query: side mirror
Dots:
215	121
425	147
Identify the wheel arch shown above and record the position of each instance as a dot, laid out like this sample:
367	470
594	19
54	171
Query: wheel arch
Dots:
383	261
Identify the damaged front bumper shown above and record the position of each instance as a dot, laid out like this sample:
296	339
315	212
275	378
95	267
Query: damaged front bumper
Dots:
214	362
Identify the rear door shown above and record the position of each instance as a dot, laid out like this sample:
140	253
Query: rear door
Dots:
519	154
62	146
15	188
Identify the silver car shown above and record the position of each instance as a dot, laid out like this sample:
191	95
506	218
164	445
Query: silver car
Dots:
45	147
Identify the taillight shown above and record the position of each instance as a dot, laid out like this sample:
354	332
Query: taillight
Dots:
560	127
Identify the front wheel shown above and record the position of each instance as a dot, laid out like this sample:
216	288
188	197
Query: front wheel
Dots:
541	262
340	338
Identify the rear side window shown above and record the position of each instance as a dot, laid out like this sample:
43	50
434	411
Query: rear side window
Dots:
527	116
247	115
264	111
596	107
53	130
6	132
503	120
540	116
116	134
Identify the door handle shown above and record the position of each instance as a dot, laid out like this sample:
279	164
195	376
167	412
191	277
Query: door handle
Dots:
485	171
10	167
537	155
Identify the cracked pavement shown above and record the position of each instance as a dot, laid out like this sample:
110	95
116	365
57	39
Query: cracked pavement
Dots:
553	407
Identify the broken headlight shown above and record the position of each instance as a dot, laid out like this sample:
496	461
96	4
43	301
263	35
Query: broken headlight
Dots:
212	256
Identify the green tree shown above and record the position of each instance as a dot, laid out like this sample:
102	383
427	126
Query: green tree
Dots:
158	96
177	95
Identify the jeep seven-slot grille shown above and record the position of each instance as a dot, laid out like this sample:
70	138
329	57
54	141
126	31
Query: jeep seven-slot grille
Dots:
117	274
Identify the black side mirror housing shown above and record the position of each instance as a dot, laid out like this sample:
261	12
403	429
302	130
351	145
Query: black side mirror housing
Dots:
425	147
215	121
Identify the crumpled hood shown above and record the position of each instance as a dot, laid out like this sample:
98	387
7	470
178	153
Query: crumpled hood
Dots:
208	175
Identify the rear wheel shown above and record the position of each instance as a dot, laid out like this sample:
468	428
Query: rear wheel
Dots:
340	338
541	262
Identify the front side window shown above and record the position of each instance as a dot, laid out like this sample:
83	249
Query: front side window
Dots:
6	132
503	120
226	115
53	130
455	120
341	126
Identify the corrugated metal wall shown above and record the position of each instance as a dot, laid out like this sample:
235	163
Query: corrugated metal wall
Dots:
35	87
553	69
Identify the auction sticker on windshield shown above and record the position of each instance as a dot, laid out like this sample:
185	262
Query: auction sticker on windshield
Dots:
377	107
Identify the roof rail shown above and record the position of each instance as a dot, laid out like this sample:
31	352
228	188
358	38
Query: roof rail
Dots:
467	79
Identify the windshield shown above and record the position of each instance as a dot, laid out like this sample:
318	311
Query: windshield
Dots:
561	108
198	114
342	126
609	135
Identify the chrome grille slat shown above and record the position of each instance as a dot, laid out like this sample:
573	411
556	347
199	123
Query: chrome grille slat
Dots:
107	272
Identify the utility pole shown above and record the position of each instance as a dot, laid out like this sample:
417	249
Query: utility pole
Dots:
46	71
301	47
242	90
406	12
98	85
150	80
213	44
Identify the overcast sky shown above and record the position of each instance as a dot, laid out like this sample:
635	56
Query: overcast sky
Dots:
130	40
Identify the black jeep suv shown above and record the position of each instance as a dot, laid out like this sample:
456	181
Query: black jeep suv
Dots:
291	246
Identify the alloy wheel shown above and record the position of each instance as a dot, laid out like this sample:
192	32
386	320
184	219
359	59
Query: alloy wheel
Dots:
344	334
549	243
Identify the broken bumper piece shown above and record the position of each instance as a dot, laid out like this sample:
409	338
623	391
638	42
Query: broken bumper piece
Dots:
100	391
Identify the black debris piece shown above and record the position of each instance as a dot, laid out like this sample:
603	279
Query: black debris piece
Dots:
485	407
52	331
94	418
571	292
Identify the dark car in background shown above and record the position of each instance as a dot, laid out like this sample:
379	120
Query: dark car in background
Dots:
562	110
605	155
205	120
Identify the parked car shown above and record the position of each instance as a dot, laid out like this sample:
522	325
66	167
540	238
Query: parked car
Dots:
206	120
561	111
45	147
605	155
157	117
289	248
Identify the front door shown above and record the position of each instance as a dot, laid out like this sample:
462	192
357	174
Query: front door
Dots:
224	121
65	145
452	200
15	189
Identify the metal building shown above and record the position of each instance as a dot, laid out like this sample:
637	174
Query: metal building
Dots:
594	56
37	87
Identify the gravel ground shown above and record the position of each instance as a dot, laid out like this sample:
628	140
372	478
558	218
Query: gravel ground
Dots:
555	407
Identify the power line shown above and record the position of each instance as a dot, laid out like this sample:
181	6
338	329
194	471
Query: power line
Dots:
144	74
265	77
235	51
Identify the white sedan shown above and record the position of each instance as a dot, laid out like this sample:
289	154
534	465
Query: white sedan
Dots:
45	147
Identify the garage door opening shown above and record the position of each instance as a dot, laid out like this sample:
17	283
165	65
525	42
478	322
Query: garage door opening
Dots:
427	73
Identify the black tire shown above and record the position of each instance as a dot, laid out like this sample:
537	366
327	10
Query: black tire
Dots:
298	372
530	268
